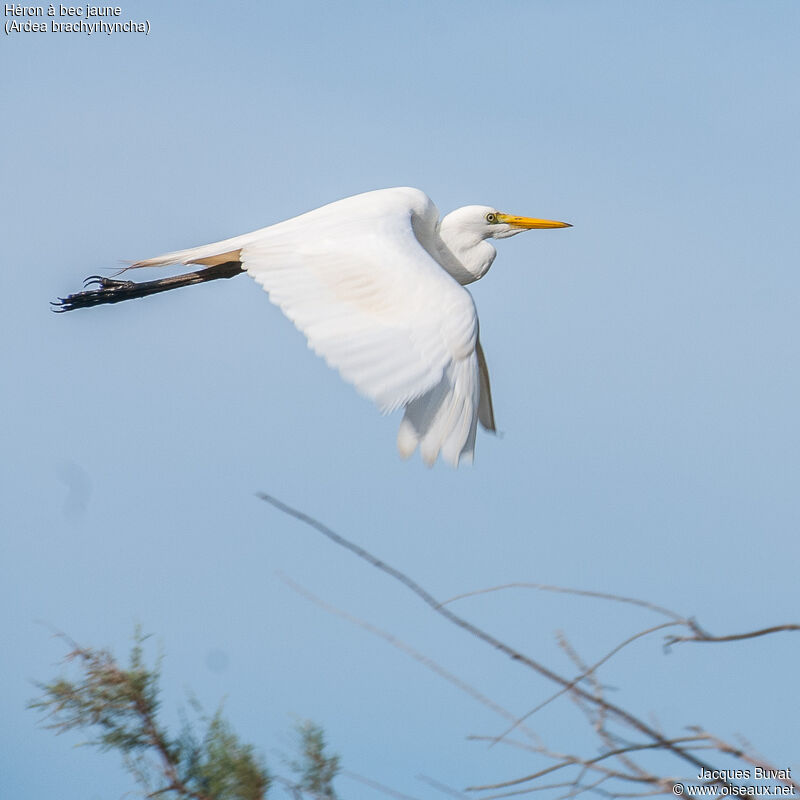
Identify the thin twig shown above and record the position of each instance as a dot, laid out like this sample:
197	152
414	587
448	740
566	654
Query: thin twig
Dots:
574	761
442	787
543	787
600	719
591	763
375	785
544	587
408	650
576	789
585	674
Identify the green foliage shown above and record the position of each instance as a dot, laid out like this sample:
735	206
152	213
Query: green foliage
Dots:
315	770
226	769
120	707
118	702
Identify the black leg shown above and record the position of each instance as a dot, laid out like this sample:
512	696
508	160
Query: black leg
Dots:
113	291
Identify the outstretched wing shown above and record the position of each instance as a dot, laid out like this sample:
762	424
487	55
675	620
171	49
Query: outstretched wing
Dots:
356	278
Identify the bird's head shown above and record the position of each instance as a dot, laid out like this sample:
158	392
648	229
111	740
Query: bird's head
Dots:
485	222
465	231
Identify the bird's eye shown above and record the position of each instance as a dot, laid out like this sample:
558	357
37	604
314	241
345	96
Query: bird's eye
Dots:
491	217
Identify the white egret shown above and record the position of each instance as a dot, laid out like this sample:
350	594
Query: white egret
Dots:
375	282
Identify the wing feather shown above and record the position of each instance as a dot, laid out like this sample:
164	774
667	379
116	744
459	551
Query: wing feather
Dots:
371	300
485	408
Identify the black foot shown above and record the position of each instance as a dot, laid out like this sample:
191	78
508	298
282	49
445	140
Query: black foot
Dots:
108	291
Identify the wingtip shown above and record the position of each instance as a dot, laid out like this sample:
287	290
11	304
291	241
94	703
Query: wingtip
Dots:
406	439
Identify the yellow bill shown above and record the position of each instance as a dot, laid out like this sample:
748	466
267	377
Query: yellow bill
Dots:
528	223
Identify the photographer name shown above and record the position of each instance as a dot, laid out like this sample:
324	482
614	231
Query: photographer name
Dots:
757	773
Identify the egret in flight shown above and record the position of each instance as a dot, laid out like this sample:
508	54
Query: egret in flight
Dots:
375	283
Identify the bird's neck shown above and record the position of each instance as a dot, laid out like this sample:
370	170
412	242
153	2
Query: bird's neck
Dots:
464	254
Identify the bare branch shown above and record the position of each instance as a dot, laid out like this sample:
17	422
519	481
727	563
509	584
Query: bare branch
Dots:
618	712
701	636
600	712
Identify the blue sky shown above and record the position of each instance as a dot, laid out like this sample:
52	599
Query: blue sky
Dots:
644	367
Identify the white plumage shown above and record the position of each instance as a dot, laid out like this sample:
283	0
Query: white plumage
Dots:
375	282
